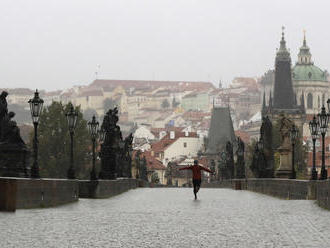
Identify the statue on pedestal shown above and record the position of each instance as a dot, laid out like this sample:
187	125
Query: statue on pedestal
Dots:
111	145
240	164
263	157
13	151
284	170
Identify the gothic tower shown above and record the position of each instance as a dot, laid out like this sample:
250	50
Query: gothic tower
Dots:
283	90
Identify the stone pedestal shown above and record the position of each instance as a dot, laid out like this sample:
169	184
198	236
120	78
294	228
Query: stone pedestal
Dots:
284	171
13	160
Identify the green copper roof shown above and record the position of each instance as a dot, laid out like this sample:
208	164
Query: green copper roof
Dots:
309	72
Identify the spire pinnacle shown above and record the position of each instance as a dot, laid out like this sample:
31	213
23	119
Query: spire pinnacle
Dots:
304	43
282	52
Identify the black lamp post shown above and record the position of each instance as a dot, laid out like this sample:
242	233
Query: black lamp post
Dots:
93	130
36	104
323	120
314	128
293	135
71	116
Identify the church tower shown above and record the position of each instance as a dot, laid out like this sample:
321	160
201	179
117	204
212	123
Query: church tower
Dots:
283	90
304	56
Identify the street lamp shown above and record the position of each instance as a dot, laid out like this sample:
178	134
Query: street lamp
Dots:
93	130
323	120
293	135
71	116
36	108
314	128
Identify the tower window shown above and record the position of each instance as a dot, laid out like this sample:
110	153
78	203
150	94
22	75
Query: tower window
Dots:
309	74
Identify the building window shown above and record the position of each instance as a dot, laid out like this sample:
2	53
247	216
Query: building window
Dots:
318	102
309	74
184	144
323	99
310	101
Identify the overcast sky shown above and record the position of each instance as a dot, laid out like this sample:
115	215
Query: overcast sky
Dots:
56	44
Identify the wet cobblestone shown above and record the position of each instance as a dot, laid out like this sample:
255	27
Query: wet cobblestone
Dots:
169	217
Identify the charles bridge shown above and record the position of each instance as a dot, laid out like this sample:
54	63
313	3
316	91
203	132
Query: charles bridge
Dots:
229	214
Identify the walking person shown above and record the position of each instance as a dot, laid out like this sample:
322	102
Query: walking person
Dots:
196	175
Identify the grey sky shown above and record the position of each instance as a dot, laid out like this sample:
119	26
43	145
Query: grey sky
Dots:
56	44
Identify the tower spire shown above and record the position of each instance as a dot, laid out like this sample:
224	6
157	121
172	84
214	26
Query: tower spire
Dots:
283	90
304	55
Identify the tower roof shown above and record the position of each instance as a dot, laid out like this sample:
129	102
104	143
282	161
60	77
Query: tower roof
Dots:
305	70
283	90
282	52
221	130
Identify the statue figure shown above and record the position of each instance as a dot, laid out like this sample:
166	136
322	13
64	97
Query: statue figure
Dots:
13	152
11	133
259	163
143	169
230	160
284	170
111	145
125	158
137	163
222	166
240	164
3	111
263	158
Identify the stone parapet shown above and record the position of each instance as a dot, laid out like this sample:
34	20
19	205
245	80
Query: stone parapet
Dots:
106	188
323	192
22	193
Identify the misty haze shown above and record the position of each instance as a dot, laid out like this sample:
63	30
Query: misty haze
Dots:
168	123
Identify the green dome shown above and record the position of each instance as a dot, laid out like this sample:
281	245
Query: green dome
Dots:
309	72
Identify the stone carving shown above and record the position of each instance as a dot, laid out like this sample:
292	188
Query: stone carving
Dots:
240	163
111	145
263	158
125	161
259	163
13	151
284	170
226	162
230	159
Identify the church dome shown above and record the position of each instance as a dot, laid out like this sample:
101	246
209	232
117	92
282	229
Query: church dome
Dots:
305	70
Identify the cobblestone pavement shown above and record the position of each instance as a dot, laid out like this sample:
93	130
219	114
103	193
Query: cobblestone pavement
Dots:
169	217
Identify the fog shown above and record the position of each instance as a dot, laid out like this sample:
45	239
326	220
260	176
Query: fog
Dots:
55	44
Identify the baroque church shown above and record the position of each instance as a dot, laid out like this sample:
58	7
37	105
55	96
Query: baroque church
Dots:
309	83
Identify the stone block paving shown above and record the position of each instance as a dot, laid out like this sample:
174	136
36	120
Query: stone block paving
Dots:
169	217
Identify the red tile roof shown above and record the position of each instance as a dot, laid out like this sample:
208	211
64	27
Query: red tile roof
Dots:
152	162
161	145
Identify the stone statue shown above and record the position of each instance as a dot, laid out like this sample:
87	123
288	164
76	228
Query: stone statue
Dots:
263	158
230	160
143	169
126	156
284	170
240	164
13	152
111	145
3	111
11	133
